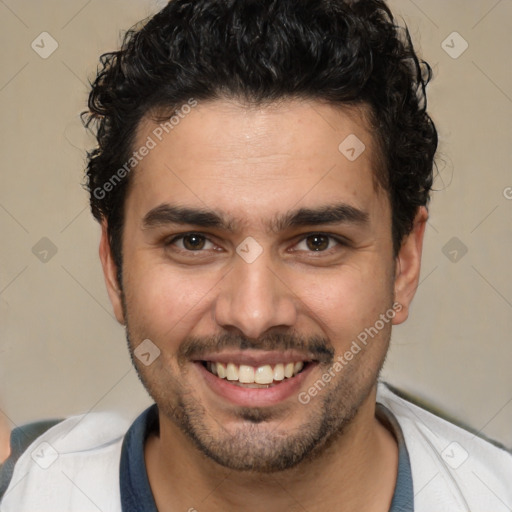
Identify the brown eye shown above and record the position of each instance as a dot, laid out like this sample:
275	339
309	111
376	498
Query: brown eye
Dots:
317	242
193	242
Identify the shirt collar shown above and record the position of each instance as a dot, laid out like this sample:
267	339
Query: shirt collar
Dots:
136	494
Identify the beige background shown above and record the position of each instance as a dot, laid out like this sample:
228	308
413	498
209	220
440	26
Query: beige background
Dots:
61	351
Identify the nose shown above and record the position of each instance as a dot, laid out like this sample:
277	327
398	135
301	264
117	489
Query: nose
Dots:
254	298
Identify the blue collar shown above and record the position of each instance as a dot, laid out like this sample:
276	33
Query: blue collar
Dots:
136	495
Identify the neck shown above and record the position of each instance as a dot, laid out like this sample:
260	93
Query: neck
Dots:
355	471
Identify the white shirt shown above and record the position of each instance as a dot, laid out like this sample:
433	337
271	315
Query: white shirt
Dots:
74	466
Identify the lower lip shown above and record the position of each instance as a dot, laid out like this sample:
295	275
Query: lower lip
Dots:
255	397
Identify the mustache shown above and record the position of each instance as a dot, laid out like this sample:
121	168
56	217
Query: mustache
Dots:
316	347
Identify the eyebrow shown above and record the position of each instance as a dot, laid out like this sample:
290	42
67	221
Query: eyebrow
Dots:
331	214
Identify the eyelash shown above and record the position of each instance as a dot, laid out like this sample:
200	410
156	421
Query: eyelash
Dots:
339	240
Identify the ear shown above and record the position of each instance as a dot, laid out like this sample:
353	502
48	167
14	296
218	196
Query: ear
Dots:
110	274
408	266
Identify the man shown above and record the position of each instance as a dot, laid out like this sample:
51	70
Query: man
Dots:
262	178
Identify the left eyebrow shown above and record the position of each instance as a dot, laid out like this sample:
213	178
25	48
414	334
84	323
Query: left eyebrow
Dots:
325	215
335	214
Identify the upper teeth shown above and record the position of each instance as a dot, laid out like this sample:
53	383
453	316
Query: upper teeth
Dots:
245	374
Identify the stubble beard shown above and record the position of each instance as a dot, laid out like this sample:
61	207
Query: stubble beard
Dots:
261	441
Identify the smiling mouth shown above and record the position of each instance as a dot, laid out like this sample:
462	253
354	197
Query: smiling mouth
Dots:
264	376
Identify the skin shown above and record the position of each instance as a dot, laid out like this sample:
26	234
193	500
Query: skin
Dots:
253	164
5	445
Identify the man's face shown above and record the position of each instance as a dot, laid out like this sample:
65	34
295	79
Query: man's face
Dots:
276	284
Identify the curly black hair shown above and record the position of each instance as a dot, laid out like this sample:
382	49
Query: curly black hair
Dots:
343	52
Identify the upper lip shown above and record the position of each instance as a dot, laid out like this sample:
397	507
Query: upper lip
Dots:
256	358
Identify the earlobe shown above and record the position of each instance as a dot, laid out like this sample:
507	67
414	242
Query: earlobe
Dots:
408	265
110	273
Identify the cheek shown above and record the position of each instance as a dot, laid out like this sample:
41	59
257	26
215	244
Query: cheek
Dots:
347	301
165	302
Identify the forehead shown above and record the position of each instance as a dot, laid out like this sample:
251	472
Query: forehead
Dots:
254	161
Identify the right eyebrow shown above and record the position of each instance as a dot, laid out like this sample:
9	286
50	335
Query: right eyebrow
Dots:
169	214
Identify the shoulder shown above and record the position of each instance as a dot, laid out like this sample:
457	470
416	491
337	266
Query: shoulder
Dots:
75	461
451	467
